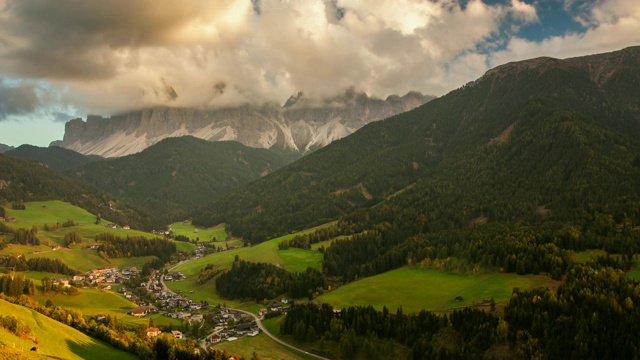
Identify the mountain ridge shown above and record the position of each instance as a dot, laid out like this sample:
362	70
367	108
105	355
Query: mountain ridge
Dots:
553	122
302	124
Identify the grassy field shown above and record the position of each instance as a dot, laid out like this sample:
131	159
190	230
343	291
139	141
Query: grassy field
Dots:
205	235
262	345
585	256
91	302
40	213
415	289
55	340
635	273
291	259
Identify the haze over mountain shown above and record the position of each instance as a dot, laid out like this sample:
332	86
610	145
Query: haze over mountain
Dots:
531	138
302	124
177	175
4	148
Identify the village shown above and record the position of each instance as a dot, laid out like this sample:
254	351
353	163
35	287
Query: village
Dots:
209	324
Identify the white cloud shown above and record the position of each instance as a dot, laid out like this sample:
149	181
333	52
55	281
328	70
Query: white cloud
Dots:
110	56
612	25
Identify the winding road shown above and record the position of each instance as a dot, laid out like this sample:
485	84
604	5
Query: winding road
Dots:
258	321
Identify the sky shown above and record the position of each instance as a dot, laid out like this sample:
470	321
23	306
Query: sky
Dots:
64	59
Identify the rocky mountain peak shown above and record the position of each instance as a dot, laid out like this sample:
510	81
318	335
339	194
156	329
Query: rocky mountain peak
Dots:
301	124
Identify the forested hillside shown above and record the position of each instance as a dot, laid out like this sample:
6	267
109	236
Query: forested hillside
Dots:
172	178
26	180
54	157
530	141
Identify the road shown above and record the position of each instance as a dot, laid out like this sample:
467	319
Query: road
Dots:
258	322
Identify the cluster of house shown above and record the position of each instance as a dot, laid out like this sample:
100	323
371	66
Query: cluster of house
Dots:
9	219
154	331
104	277
245	325
116	226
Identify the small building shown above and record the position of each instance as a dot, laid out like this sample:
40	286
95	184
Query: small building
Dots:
153	331
176	334
1	218
99	317
139	312
126	227
78	277
10	219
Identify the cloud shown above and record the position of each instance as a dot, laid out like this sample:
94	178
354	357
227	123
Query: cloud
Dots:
611	25
17	100
108	56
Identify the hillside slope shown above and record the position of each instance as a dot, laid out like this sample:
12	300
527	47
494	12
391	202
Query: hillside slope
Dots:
175	176
27	180
55	340
537	137
54	157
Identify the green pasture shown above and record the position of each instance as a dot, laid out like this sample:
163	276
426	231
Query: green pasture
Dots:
55	340
91	302
415	288
186	229
635	273
292	259
131	261
585	256
79	259
298	260
37	276
39	213
262	345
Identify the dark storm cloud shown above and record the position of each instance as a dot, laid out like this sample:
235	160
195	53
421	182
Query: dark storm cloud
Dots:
21	99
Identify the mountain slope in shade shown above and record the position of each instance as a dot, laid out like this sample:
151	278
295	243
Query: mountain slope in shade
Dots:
175	176
28	180
55	157
4	148
301	124
543	136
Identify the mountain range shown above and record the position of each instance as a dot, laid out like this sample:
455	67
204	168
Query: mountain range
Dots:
301	124
528	141
174	177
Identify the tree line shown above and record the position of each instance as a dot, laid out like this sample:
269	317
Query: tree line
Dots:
115	246
259	281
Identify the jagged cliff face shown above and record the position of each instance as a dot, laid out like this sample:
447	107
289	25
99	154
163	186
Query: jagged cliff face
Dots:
301	124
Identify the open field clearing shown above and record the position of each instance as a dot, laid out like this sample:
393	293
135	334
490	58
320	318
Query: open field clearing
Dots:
415	289
292	259
261	344
91	302
55	340
193	232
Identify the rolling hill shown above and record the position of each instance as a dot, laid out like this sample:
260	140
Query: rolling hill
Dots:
54	157
28	180
542	137
54	339
177	175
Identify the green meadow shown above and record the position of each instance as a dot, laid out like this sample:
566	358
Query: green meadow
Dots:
585	256
292	259
264	346
415	288
78	257
635	273
91	302
55	340
192	232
